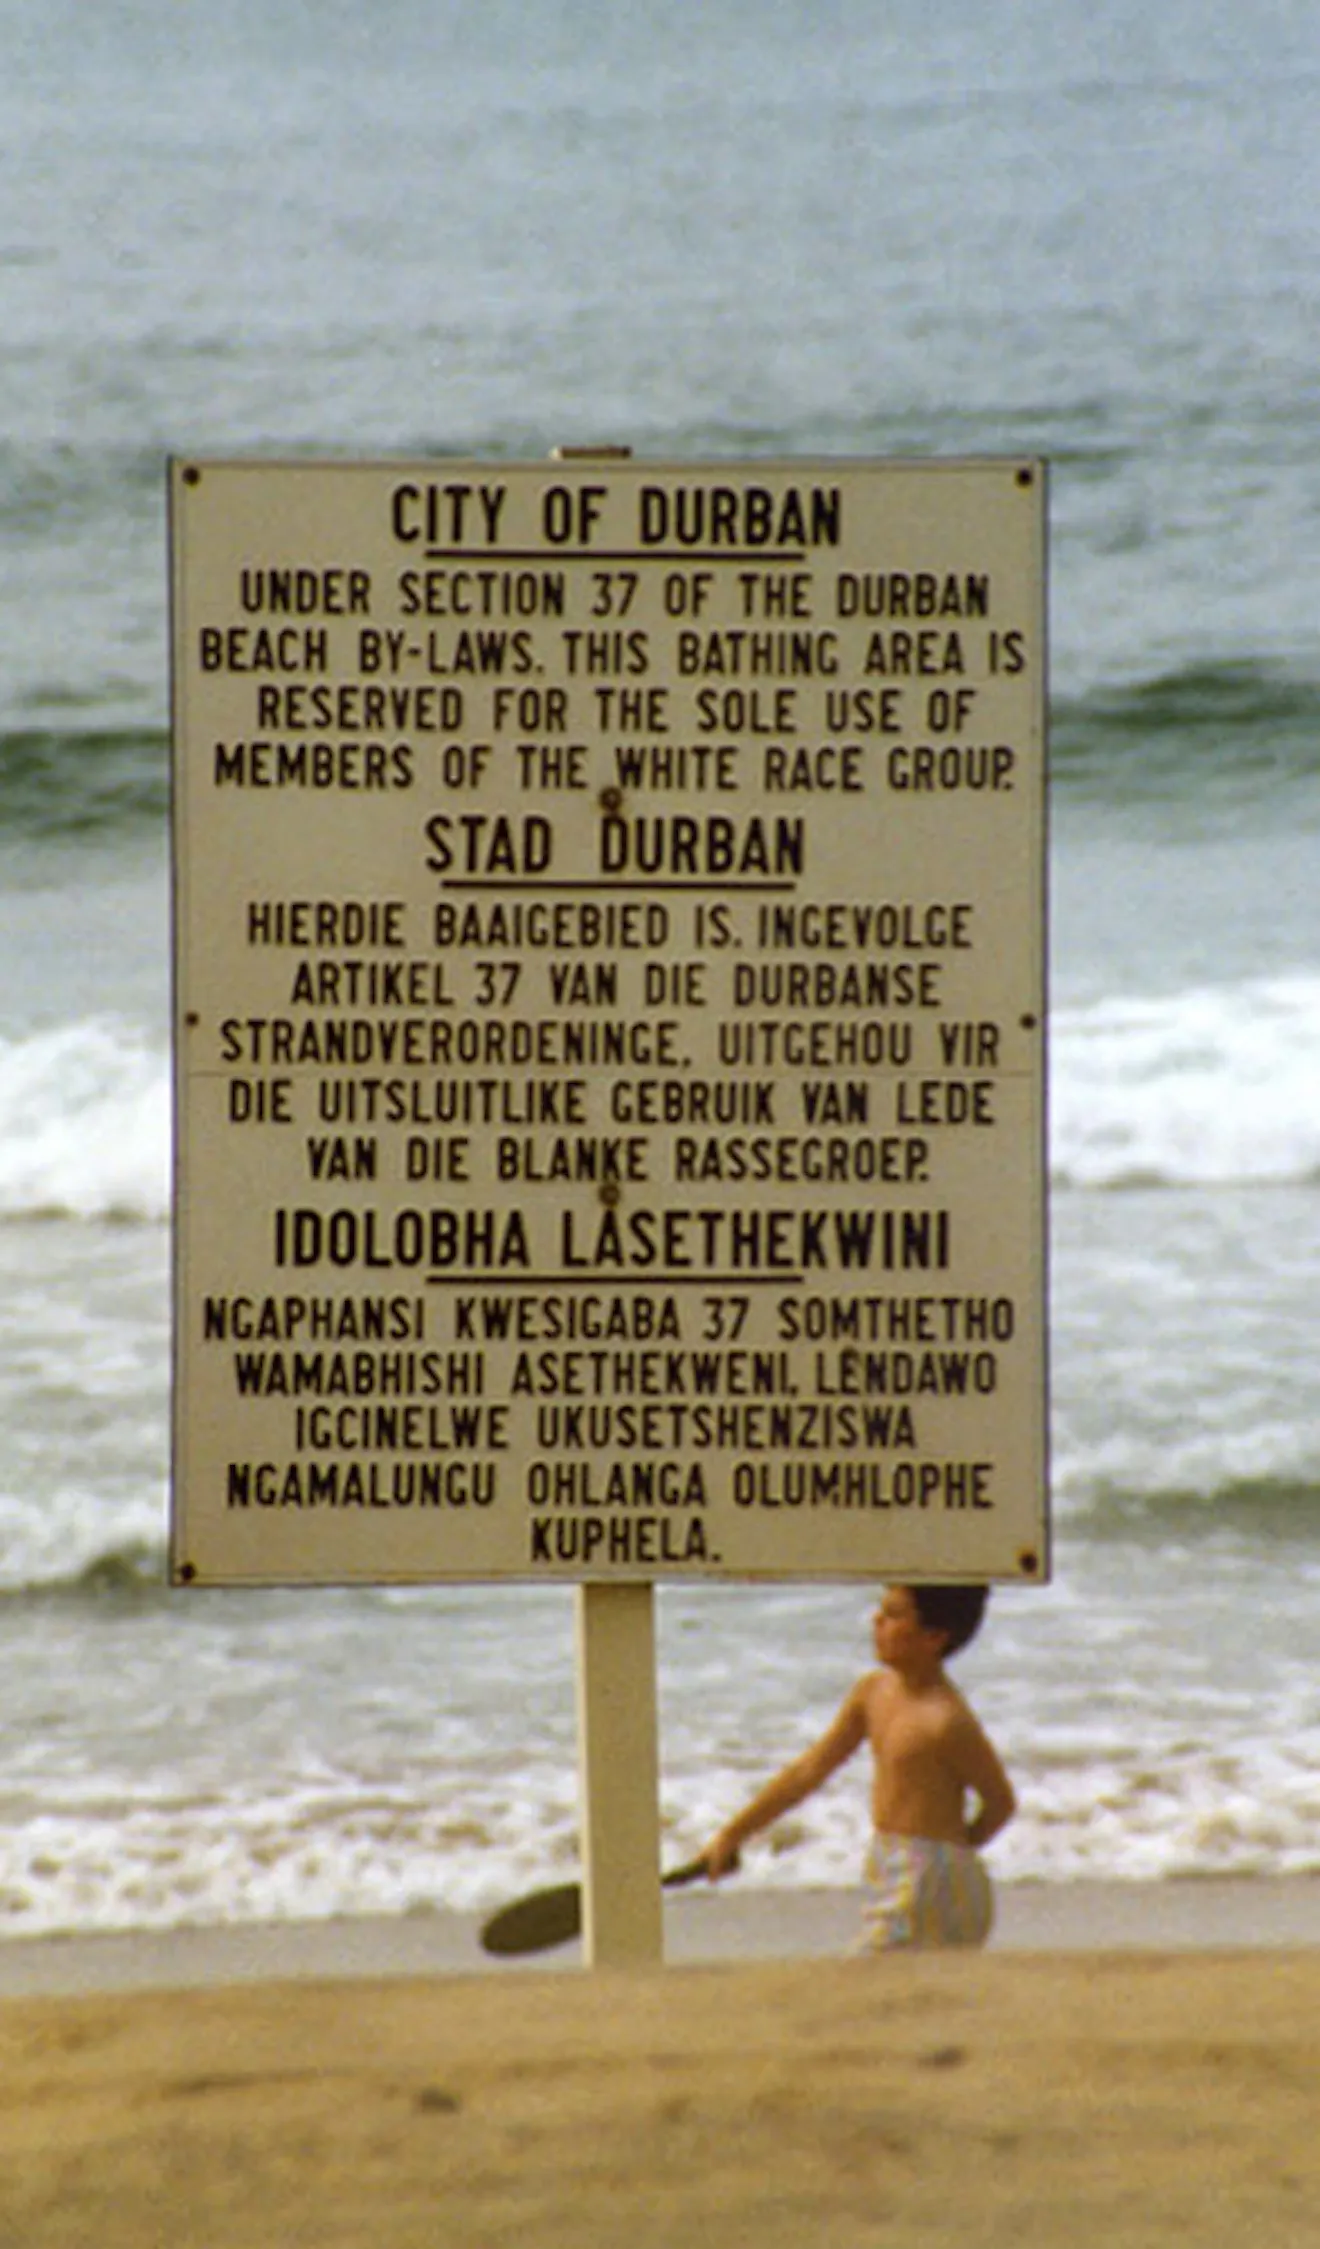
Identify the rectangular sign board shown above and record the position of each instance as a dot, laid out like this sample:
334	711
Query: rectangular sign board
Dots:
609	986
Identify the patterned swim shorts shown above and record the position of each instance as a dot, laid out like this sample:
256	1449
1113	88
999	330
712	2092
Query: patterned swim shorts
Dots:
924	1894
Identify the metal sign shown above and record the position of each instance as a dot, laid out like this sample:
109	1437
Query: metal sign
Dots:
610	1020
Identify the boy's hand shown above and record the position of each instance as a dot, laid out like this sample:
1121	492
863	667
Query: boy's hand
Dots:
720	1857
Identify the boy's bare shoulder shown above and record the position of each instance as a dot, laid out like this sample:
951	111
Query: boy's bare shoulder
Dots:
954	1711
873	1694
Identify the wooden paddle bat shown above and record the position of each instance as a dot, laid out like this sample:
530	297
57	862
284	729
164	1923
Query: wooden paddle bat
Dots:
549	1917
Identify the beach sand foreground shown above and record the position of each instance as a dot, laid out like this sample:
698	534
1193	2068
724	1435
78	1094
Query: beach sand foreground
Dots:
1118	2099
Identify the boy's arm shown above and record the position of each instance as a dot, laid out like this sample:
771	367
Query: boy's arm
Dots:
979	1768
846	1732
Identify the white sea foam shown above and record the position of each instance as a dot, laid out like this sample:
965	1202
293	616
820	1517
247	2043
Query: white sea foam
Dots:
168	1861
84	1123
1208	1086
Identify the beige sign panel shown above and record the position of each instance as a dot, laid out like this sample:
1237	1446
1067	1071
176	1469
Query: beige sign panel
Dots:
610	1016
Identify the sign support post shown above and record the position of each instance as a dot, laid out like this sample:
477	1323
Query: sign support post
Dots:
618	1736
619	1776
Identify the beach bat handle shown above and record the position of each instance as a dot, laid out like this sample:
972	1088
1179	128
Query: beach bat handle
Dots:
545	1918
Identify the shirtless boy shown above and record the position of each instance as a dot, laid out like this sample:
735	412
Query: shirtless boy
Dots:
924	1872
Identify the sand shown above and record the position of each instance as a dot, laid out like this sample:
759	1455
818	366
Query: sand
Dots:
1048	2099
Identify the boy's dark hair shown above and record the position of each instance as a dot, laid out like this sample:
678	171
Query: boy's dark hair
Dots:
955	1610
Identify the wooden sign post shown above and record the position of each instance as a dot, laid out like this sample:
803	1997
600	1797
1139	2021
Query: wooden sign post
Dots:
619	1776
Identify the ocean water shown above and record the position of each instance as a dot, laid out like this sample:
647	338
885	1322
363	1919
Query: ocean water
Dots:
735	229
